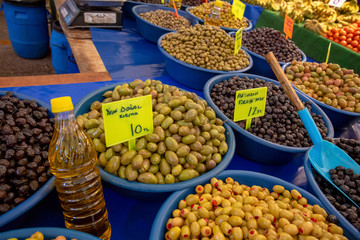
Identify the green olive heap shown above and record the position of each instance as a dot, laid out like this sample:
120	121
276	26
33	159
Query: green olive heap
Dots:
187	141
230	210
328	83
165	19
228	19
205	46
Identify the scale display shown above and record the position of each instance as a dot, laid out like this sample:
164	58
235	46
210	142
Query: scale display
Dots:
93	13
69	11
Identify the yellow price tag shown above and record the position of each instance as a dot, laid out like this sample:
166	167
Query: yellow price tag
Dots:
250	103
238	41
127	119
238	9
328	53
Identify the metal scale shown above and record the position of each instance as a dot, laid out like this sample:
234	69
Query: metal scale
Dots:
92	13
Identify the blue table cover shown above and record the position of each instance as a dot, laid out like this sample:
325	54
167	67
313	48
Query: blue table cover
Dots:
127	56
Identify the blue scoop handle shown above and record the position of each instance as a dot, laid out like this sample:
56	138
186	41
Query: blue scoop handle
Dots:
324	155
302	110
310	126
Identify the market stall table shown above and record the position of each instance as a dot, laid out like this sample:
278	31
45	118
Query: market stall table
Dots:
128	56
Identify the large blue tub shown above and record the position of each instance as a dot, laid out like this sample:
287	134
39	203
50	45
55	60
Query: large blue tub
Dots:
252	147
61	52
190	75
151	31
341	119
249	178
27	26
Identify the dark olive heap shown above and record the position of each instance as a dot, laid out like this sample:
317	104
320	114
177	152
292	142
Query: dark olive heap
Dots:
347	181
165	19
264	40
350	146
281	123
25	134
341	203
191	2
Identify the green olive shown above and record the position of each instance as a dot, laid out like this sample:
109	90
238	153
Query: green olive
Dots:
113	164
188	174
127	158
171	144
147	177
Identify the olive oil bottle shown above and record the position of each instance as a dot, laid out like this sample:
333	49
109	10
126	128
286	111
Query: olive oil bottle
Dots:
214	17
73	158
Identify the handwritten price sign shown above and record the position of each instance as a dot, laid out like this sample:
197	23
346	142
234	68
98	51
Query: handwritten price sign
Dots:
250	103
127	119
238	9
238	41
288	27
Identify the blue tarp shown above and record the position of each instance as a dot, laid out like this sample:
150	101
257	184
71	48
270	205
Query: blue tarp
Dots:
128	56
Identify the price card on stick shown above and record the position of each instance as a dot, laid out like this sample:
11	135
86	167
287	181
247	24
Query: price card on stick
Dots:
250	103
238	9
238	41
336	3
128	119
288	27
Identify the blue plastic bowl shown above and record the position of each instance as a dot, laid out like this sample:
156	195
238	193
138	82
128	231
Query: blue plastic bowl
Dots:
153	191
346	225
151	31
190	75
39	194
255	148
248	28
48	232
340	119
128	6
243	177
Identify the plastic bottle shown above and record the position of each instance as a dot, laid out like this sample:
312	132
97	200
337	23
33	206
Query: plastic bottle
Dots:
214	17
73	159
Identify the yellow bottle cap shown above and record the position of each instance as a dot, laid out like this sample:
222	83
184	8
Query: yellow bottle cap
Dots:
61	104
218	3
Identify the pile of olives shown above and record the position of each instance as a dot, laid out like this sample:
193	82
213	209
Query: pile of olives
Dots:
264	40
191	2
25	134
231	210
165	19
205	46
329	83
228	19
280	124
187	141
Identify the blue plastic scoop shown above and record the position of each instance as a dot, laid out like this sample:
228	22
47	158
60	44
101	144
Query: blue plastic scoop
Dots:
323	155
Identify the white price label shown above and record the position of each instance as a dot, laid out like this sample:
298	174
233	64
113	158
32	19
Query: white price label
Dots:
337	3
100	17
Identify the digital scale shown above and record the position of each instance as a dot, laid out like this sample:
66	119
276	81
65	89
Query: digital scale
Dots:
92	13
